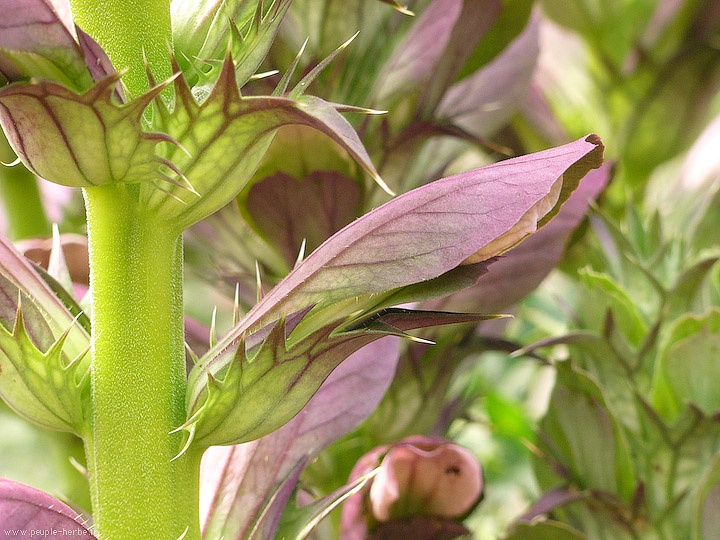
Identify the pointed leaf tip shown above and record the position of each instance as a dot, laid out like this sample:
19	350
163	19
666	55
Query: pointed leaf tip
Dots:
308	79
429	231
399	7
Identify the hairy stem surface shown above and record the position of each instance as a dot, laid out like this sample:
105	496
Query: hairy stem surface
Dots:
138	380
127	29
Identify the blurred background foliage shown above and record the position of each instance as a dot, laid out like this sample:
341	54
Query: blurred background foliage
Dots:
594	411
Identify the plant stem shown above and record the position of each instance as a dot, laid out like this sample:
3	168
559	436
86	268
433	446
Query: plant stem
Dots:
138	379
21	198
127	29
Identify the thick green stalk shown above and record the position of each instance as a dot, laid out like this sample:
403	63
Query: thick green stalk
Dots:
138	379
126	28
21	198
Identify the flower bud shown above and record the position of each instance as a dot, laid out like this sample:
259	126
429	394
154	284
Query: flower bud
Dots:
421	482
426	476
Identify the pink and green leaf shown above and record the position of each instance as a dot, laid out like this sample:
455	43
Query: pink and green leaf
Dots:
520	270
26	511
255	473
483	102
414	238
290	211
223	139
37	39
427	232
41	348
433	52
46	317
269	379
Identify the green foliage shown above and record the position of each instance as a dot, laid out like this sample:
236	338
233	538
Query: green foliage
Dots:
632	421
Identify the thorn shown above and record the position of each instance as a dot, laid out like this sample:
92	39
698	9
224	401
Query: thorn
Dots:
380	182
405	11
342	108
12	163
263	75
307	80
159	136
170	165
197	72
213	330
189	421
140	103
148	73
301	254
193	356
236	305
212	382
417	339
349	41
79	357
59	342
399	7
104	88
171	180
258	283
190	438
170	194
184	532
282	86
76	464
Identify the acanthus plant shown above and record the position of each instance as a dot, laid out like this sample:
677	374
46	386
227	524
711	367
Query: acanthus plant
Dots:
157	147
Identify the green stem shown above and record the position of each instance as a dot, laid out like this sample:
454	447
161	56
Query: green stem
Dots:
21	198
138	379
126	29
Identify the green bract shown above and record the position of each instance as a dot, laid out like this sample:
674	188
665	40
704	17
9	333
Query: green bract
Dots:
223	139
43	346
81	140
44	387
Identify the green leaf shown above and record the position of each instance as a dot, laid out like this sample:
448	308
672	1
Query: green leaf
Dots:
584	435
706	504
688	367
250	51
202	29
508	417
270	378
687	286
510	23
612	27
609	293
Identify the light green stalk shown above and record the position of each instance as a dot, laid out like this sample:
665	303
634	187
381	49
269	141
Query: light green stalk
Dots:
138	374
138	377
126	28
